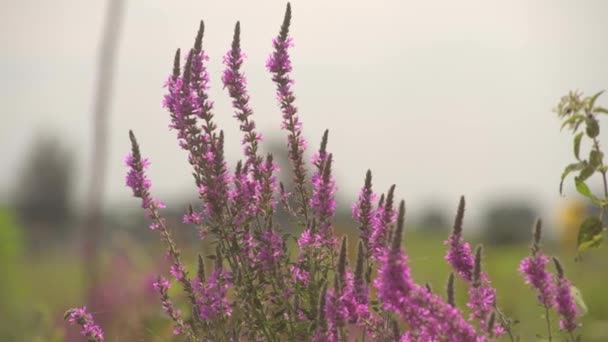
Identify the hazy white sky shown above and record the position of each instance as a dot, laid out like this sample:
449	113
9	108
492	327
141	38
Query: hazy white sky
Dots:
440	97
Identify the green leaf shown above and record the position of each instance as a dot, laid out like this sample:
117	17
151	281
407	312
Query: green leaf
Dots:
577	145
573	120
600	110
590	233
595	158
593	98
593	127
584	190
586	172
570	168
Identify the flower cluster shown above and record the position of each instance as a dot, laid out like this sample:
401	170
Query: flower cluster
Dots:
89	329
258	289
552	292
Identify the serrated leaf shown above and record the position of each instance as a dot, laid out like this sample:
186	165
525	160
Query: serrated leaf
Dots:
577	145
573	120
570	168
590	233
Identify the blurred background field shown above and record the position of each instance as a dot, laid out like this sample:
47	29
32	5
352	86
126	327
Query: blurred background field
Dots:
40	284
442	99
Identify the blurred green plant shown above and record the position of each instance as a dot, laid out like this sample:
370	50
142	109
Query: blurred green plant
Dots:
19	322
581	116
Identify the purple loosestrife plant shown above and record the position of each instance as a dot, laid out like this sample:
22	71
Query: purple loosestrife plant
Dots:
482	296
81	317
564	302
534	270
257	289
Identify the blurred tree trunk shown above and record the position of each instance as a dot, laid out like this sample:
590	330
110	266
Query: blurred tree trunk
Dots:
102	100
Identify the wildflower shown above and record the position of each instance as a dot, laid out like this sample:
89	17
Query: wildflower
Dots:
459	254
362	210
211	299
162	285
236	83
533	268
322	202
89	329
429	317
385	216
564	301
279	64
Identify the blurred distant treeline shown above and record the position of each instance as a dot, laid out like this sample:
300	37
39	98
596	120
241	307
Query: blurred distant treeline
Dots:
43	199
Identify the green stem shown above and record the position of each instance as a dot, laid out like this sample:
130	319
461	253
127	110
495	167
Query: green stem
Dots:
548	323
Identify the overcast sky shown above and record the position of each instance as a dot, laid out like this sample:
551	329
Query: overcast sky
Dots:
440	97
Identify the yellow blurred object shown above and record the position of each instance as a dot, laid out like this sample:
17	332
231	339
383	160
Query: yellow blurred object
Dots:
570	216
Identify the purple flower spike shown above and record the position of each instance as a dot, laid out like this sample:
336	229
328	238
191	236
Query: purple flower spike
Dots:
428	316
385	216
89	329
279	64
323	202
362	210
533	268
459	254
564	301
162	285
136	176
236	83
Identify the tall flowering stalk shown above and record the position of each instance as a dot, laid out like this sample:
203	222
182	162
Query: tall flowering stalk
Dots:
534	270
279	65
258	290
363	209
566	307
427	315
482	295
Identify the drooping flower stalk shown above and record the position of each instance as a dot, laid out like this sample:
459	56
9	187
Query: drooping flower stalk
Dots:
533	268
90	329
564	301
279	64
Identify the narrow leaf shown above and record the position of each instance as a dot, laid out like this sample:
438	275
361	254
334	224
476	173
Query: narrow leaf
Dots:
570	168
600	110
577	145
593	98
574	119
